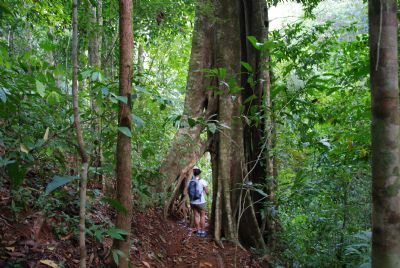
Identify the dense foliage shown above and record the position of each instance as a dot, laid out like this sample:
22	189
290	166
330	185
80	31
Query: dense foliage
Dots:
322	99
321	110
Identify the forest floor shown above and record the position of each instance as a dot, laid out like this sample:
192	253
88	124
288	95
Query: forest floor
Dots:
31	239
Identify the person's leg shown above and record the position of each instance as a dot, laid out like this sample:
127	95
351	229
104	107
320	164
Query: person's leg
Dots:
203	220
197	219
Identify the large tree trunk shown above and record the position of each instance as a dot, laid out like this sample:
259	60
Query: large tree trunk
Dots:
234	209
124	165
79	136
385	134
259	133
187	145
231	166
254	22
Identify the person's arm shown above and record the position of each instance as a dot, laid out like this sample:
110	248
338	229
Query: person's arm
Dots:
206	190
205	187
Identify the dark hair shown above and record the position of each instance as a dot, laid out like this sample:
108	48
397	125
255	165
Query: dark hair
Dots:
196	172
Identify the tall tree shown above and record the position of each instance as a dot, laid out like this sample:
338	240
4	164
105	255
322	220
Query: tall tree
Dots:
385	133
95	44
79	135
234	215
124	147
187	147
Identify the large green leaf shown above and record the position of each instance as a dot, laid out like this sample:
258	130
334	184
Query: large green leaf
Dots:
59	181
138	121
247	66
40	87
126	131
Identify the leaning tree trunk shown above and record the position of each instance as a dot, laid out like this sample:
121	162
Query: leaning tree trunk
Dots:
385	133
187	147
79	136
124	165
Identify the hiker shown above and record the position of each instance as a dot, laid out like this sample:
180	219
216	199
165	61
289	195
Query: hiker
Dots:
196	189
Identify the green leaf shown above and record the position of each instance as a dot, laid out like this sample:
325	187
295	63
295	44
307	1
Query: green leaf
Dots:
123	99
53	98
221	73
59	181
4	162
116	253
269	44
115	204
247	66
191	122
253	41
126	131
96	76
105	91
40	88
115	256
117	233
16	173
212	127
249	99
3	94
138	121
85	74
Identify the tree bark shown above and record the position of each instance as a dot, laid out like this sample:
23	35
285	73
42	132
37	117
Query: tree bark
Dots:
82	151
234	211
124	165
230	145
385	133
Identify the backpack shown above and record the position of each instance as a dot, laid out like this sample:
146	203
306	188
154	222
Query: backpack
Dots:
194	191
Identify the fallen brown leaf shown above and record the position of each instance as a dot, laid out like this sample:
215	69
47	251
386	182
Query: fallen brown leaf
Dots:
146	264
49	263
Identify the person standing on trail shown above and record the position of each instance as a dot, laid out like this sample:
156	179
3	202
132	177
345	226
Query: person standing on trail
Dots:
197	188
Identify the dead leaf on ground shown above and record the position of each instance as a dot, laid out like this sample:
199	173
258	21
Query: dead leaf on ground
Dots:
205	264
10	249
16	254
146	264
163	239
67	237
9	243
49	263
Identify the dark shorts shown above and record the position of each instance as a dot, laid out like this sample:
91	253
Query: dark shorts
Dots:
198	207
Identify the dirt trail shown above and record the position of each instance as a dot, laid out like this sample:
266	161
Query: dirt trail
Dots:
173	244
31	240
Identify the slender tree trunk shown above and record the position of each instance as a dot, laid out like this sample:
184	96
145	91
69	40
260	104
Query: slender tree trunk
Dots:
140	61
124	165
79	135
385	133
95	44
